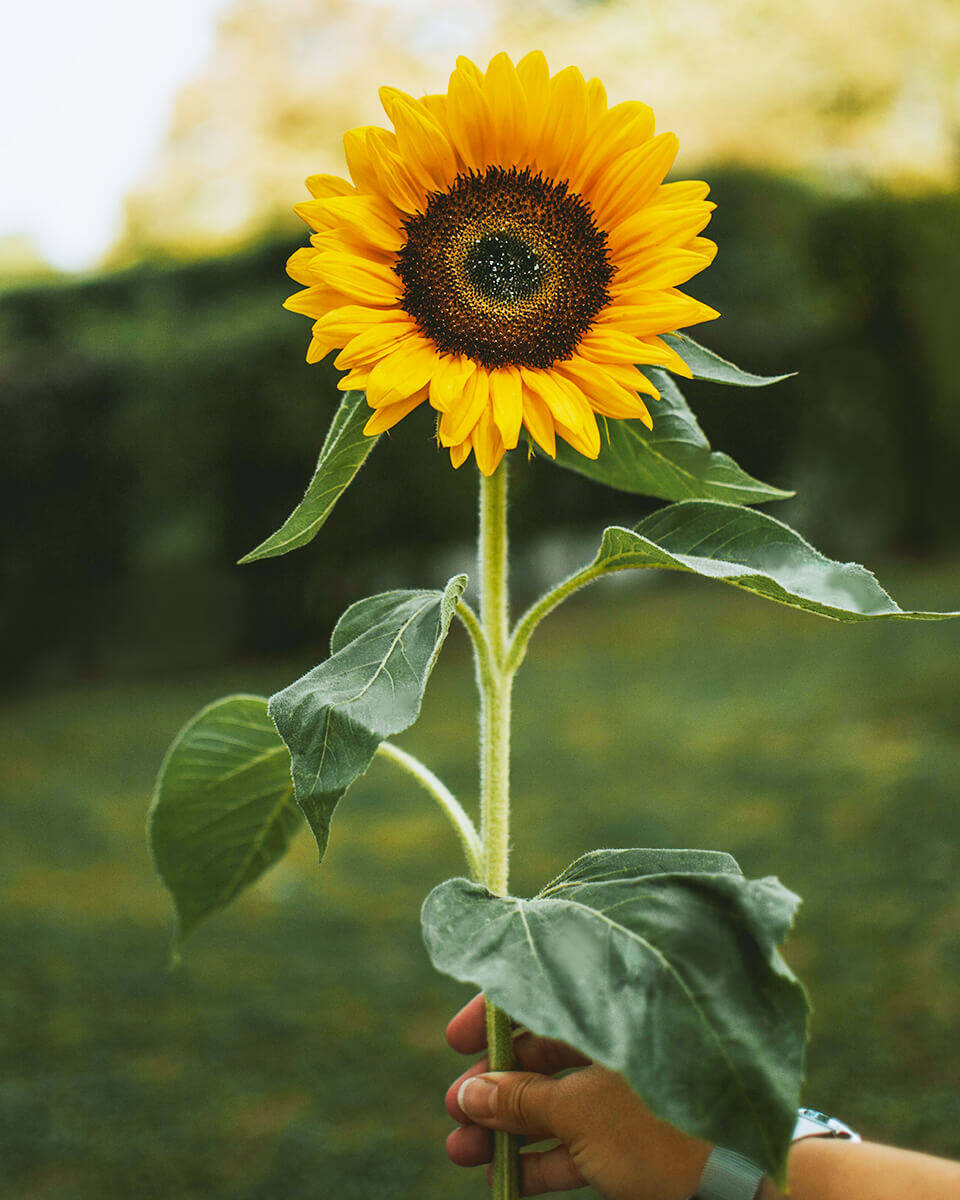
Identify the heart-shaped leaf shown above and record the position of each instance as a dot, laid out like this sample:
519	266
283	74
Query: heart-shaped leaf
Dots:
705	364
672	979
753	551
345	449
672	461
223	810
335	716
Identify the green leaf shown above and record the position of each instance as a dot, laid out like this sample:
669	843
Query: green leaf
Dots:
599	865
371	687
672	979
345	449
753	551
673	461
223	810
705	364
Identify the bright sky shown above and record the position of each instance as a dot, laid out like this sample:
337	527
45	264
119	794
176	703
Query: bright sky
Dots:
86	90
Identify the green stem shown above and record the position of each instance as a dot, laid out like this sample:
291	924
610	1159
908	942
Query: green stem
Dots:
450	805
545	605
495	691
481	651
506	1148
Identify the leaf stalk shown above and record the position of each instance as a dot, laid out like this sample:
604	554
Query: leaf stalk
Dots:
451	806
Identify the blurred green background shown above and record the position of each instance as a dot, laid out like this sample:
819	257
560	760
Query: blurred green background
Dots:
158	420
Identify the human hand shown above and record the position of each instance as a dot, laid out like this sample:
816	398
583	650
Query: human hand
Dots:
608	1138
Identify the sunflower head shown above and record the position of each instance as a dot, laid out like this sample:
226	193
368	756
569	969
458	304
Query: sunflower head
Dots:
508	253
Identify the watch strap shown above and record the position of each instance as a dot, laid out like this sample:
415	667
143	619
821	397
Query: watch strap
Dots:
728	1176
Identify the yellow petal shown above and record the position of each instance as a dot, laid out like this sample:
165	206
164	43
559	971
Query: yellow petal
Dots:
621	128
659	268
402	372
367	282
630	180
421	141
702	245
684	191
469	69
673	362
387	416
460	418
342	241
321	186
657	226
585	423
534	76
629	377
470	121
585	439
506	401
314	215
507	102
356	150
596	102
644	313
373	343
539	422
460	453
368	217
604	394
319	348
556	398
488	445
350	319
395	178
311	302
300	265
607	344
436	105
449	380
565	121
354	381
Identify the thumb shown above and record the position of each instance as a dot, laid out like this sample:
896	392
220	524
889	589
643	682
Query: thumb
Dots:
514	1101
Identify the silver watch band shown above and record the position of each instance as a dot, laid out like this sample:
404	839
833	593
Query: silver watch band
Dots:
728	1176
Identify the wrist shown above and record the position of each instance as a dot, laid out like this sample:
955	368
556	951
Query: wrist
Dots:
730	1176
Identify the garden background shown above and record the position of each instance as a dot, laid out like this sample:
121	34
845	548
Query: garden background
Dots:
158	420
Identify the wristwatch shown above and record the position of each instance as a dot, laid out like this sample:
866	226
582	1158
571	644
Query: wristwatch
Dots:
730	1176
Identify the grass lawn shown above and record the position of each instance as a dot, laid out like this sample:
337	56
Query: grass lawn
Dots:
298	1051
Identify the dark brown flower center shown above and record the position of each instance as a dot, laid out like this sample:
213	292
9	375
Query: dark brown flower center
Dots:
505	267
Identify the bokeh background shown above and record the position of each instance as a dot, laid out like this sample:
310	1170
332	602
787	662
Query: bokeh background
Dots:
157	419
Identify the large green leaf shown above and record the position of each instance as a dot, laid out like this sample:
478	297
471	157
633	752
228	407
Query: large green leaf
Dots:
705	364
371	687
672	461
672	979
755	552
599	865
344	451
223	810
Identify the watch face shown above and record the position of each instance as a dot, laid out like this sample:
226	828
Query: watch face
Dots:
813	1123
813	1114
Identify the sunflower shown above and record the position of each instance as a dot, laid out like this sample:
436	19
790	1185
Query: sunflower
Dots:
509	254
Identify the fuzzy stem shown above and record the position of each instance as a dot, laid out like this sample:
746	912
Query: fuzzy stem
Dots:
452	808
481	651
495	690
506	1148
517	648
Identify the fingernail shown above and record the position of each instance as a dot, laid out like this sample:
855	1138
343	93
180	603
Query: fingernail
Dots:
478	1097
